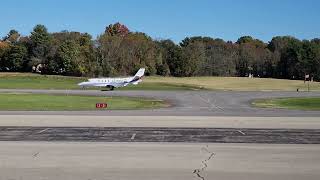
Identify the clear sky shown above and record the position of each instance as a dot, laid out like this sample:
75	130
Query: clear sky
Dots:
173	19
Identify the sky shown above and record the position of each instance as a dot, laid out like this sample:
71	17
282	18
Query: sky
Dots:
168	19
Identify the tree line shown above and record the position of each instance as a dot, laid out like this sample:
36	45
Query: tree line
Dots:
118	51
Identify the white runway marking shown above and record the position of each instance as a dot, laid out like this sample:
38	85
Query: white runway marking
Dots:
212	105
242	132
43	130
133	136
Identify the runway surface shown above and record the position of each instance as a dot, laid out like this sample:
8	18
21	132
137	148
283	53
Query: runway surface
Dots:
184	103
147	134
157	161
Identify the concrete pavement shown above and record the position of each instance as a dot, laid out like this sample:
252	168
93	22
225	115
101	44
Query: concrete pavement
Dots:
145	161
160	121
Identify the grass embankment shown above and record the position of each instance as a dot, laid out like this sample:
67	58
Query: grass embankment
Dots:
309	103
44	102
35	81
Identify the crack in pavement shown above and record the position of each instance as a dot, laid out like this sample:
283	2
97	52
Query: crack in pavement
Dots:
198	172
36	154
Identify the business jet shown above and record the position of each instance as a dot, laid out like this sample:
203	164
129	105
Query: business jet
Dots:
112	83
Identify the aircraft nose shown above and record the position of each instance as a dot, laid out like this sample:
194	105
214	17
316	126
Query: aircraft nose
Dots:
80	84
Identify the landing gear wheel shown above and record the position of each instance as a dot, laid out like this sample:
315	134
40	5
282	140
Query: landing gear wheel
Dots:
111	88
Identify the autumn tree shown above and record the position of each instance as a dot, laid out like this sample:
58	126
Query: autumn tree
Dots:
254	57
4	49
124	53
117	29
40	42
12	37
171	57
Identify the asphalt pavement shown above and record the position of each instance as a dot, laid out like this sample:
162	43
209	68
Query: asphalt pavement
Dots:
156	134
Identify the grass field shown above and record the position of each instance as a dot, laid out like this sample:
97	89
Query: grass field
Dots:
238	83
35	81
310	103
43	102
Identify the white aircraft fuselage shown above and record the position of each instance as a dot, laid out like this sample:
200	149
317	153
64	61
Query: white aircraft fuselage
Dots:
114	82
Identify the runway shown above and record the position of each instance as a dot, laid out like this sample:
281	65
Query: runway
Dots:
184	103
151	134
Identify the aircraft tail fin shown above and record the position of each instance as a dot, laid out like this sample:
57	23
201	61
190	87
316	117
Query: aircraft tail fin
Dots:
140	73
138	76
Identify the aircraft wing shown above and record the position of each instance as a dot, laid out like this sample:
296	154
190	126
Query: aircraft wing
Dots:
114	84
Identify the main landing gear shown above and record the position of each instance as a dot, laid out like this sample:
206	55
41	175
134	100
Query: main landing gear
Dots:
111	88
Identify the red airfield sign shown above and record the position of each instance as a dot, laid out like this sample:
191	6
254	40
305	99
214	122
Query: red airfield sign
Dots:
101	105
